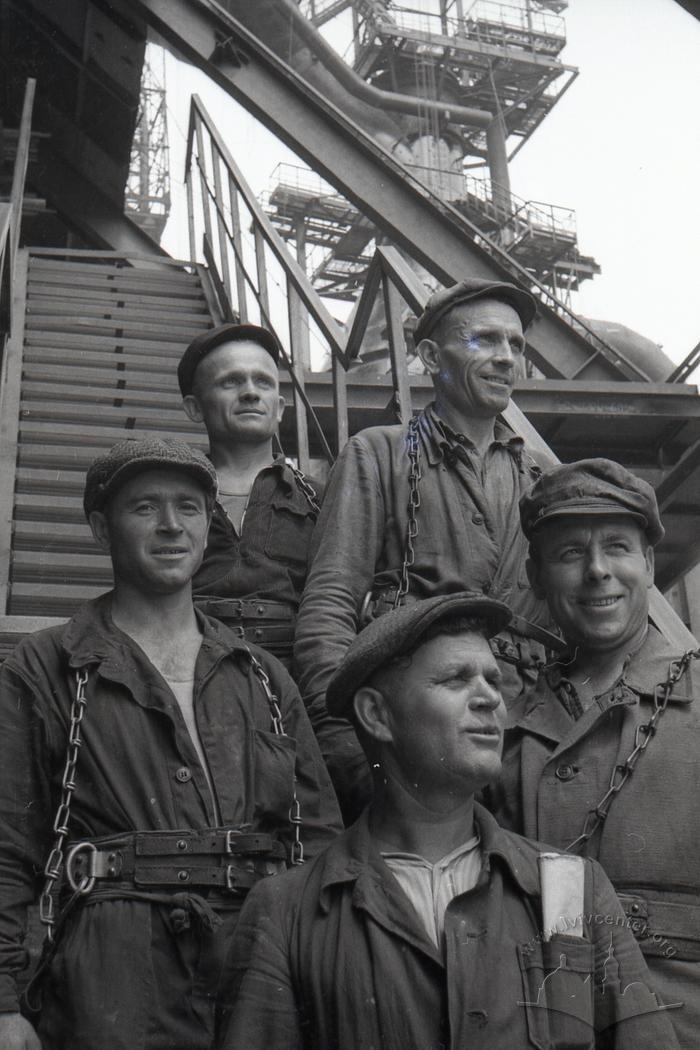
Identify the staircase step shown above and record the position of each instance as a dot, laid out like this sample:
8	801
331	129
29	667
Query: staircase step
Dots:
58	342
117	311
50	599
141	283
69	295
29	567
167	330
91	414
39	265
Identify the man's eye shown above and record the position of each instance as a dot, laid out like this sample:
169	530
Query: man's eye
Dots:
516	346
144	508
190	508
569	553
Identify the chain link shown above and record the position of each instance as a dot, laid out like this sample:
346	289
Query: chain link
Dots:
414	478
297	851
54	865
306	488
642	738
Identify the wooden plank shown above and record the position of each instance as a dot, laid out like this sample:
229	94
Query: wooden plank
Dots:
108	344
93	256
49	567
36	481
160	384
75	295
164	330
104	394
50	266
117	311
103	437
60	537
35	599
91	414
143	285
9	423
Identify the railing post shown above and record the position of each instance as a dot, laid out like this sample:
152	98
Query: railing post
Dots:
221	225
340	404
261	270
238	250
201	164
397	350
300	419
21	160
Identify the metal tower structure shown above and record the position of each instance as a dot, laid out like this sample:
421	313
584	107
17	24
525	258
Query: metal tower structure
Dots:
499	58
147	196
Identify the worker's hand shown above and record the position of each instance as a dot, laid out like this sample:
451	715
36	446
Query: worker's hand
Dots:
16	1033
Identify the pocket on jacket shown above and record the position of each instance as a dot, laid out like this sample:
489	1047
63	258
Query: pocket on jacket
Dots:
275	758
558	986
289	533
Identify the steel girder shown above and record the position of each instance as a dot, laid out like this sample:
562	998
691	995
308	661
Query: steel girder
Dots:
432	232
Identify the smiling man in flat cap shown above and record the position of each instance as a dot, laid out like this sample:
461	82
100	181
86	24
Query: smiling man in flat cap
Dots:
430	511
426	925
603	757
256	559
155	764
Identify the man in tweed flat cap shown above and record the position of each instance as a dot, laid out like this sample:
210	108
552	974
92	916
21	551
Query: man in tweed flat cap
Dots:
422	925
430	511
603	758
148	761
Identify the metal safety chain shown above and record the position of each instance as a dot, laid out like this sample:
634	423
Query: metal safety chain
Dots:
54	865
414	478
642	738
306	488
297	851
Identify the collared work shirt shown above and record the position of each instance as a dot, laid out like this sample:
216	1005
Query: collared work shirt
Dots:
556	768
269	558
334	956
469	538
124	977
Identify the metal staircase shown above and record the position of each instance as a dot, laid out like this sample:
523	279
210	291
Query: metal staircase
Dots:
95	362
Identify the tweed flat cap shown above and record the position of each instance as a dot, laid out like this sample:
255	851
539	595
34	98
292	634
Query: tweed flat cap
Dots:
400	630
466	291
207	341
591	486
128	458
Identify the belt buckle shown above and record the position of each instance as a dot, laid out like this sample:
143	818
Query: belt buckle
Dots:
87	881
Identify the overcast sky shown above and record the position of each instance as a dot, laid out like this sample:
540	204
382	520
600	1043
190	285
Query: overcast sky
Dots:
622	148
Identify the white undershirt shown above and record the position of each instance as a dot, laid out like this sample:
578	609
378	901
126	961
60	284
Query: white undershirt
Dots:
431	887
183	690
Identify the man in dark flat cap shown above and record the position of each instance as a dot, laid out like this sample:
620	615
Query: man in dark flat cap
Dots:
430	511
255	563
153	763
425	924
604	757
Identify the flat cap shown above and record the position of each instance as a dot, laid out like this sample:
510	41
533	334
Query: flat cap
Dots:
205	342
399	631
473	288
128	458
591	486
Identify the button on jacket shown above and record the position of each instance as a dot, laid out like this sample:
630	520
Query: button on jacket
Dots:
469	538
269	558
333	956
556	768
128	974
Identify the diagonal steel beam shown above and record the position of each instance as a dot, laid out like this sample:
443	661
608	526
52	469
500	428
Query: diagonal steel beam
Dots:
432	232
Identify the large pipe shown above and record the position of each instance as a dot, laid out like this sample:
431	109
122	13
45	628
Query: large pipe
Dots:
358	87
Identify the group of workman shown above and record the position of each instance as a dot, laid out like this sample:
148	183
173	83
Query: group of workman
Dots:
451	647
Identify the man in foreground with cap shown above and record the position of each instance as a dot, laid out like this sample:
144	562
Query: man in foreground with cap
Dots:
432	510
603	758
153	763
423	925
255	562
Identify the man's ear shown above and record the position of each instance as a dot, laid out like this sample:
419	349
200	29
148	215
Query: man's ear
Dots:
372	713
280	408
649	559
100	530
533	574
429	353
192	409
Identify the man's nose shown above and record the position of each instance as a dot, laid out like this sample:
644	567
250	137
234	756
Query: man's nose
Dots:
486	694
169	520
504	351
597	567
249	391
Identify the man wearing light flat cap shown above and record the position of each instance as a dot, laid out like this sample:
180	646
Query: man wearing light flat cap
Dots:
603	758
423	925
428	510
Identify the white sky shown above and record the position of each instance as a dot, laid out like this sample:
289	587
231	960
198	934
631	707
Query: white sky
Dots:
622	148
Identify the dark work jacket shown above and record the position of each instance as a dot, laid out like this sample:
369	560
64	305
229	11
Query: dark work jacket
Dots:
333	957
556	768
469	538
269	559
123	977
